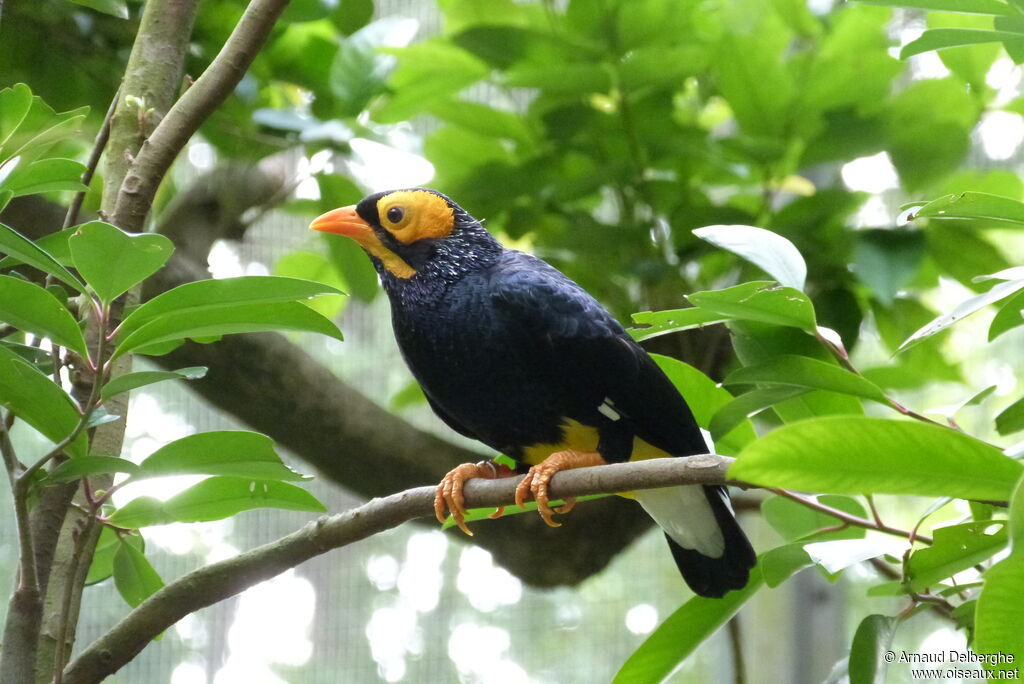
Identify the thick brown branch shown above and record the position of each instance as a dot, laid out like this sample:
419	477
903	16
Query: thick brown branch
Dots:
219	581
184	118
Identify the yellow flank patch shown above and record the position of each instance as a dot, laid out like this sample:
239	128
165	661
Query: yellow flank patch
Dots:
580	437
420	214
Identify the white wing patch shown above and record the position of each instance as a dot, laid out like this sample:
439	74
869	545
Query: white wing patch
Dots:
608	410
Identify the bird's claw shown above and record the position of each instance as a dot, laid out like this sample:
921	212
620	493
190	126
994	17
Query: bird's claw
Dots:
449	491
538	479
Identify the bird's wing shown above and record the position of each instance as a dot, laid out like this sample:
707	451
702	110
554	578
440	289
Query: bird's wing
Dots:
589	355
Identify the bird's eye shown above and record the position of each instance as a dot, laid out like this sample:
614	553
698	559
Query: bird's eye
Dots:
396	214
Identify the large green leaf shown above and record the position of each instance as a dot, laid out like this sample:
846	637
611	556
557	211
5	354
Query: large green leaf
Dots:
82	466
705	398
964	309
115	8
37	400
316	266
30	308
941	38
867	653
1011	419
796	522
801	371
997	620
771	252
358	73
22	249
762	301
1009	316
674	320
750	404
130	381
221	452
240	318
44	175
955	548
102	566
861	455
134	577
215	498
681	634
112	261
973	205
966	6
206	295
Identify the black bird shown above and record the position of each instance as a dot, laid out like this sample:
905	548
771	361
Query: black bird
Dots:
512	353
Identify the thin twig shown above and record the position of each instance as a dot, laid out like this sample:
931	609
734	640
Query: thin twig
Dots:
847	517
739	669
94	159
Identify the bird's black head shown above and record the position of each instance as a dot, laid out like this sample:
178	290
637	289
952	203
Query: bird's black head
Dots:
414	233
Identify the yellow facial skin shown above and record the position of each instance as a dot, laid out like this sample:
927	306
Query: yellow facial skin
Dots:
409	215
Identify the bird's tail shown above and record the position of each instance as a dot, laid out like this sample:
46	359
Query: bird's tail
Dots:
709	547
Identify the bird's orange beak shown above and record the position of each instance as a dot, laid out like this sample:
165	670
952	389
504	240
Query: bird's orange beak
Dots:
344	221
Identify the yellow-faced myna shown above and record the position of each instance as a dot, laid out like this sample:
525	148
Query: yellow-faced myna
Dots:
512	353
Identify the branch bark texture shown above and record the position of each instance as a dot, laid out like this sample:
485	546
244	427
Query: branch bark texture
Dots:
157	153
224	579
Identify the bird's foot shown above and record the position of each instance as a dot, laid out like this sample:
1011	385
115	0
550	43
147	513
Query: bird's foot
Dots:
449	491
538	479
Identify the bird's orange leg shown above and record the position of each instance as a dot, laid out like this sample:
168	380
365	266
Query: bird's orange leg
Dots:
449	491
537	480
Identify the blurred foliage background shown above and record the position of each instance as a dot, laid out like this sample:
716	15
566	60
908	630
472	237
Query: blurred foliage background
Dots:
597	135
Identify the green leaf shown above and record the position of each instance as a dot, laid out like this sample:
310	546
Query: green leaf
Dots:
964	309
941	38
228	320
5	198
779	564
130	381
965	6
15	103
428	71
45	175
221	452
801	371
115	8
705	398
762	301
358	73
102	565
1009	316
955	549
317	267
82	466
37	400
215	498
1011	419
134	577
973	205
30	308
872	639
112	261
482	119
681	634
409	395
1001	603
21	248
887	260
797	522
211	295
750	404
673	320
769	251
861	455
352	15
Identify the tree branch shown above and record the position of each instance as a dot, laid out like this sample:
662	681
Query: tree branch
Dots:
157	153
218	581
